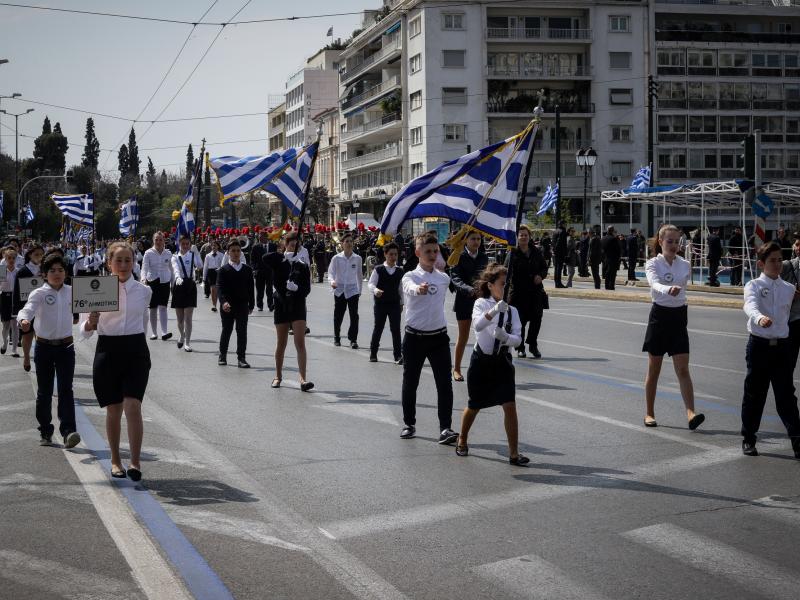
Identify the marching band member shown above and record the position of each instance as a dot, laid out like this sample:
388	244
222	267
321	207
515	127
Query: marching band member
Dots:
668	274
462	278
157	274
490	379
211	263
184	290
385	284
33	258
122	359
237	300
7	312
344	274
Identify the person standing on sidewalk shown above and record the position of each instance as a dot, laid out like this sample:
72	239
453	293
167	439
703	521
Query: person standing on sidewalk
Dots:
767	304
714	256
736	253
583	254
8	316
595	257
611	256
385	285
51	306
572	255
559	253
345	276
237	300
632	248
462	278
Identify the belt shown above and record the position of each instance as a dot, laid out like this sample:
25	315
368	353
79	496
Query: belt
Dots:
413	331
768	341
62	342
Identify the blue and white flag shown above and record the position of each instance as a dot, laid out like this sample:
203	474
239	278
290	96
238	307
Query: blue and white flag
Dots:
129	217
549	200
285	174
28	214
641	180
185	221
83	234
78	207
480	189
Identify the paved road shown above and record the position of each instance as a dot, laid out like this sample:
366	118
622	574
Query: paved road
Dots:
253	493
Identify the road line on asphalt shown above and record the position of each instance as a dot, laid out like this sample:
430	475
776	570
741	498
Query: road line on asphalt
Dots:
746	570
640	324
60	579
776	507
534	578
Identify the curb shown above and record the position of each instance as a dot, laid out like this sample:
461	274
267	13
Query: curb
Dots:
692	287
634	297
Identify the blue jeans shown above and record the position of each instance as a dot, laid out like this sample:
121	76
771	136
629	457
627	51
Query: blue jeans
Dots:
55	361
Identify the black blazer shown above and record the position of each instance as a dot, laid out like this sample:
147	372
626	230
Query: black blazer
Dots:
524	292
285	271
463	277
236	287
611	249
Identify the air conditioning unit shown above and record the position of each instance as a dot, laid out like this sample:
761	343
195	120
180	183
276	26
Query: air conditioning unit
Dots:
616	179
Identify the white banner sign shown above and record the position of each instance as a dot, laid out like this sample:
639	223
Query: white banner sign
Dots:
27	285
95	294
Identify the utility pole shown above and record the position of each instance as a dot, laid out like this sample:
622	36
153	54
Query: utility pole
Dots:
652	96
558	164
16	160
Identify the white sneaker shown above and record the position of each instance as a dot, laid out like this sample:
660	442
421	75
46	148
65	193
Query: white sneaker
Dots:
187	347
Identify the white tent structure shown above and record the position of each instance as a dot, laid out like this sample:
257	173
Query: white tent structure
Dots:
716	195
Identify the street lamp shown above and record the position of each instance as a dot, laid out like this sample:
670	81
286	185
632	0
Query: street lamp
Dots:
16	161
12	96
3	61
356	204
586	159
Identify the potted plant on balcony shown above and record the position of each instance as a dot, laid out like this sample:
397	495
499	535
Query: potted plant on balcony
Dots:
391	105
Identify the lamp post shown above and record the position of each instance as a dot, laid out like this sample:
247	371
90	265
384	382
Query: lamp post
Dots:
586	159
356	204
12	96
382	195
16	161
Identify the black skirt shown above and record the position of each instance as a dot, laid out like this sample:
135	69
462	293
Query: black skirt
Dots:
5	306
289	309
160	295
121	368
463	309
211	277
184	295
667	331
490	379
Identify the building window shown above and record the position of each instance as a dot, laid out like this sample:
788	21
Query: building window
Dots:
414	27
415	100
454	58
621	168
416	170
671	128
619	60
620	96
453	21
702	128
621	133
454	95
619	24
416	136
415	63
455	132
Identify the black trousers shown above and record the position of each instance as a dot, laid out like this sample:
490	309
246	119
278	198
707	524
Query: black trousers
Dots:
532	318
381	312
713	267
340	305
767	365
737	267
610	268
558	267
631	268
794	343
320	263
238	316
263	279
582	264
435	348
55	361
596	274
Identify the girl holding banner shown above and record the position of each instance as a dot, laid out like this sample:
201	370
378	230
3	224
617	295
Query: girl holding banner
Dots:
33	258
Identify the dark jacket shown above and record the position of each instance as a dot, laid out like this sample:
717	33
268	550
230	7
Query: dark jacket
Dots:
714	247
524	267
284	271
560	243
633	246
735	243
595	250
463	277
236	287
258	252
611	249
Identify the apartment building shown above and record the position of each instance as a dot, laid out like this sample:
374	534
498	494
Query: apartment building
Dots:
326	170
276	128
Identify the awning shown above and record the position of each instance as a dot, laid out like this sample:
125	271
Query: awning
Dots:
392	29
368	219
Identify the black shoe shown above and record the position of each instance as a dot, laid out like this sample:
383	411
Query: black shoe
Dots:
398	360
448	436
222	361
243	364
166	336
308	330
696	421
521	354
337	342
72	439
306	386
134	474
408	432
180	345
519	460
260	309
749	448
46	439
373	357
535	351
354	345
796	446
213	309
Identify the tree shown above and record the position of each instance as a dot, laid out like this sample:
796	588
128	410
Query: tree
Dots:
133	154
122	160
91	151
152	182
318	203
46	129
162	184
189	163
50	150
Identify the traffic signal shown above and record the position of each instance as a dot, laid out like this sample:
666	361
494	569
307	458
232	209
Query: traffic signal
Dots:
749	157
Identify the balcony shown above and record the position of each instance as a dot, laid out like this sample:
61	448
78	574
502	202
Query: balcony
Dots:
538	73
770	3
372	157
390	46
522	33
730	37
371	126
524	105
372	92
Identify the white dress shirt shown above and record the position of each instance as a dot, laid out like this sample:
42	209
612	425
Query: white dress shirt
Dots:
212	262
372	284
767	297
52	310
484	328
20	260
157	265
662	276
346	272
226	259
425	312
190	260
130	319
87	262
11	276
302	255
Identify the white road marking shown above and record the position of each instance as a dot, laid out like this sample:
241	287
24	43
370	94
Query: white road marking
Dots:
374	412
640	324
775	507
534	578
59	579
746	570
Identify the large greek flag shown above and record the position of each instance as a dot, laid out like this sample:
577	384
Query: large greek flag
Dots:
641	181
549	199
129	217
78	207
185	221
480	189
285	174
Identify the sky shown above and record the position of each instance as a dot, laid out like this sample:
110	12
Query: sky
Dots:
113	66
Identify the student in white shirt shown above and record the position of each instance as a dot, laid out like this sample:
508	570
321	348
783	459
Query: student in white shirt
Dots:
51	306
184	290
668	274
87	264
385	283
157	274
425	291
344	274
491	378
767	304
122	359
211	264
33	258
7	312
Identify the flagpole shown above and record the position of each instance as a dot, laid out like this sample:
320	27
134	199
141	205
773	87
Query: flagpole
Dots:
307	191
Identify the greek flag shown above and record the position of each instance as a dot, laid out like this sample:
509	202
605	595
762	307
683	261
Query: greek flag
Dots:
641	180
28	214
78	207
285	174
480	189
83	234
129	218
185	221
549	199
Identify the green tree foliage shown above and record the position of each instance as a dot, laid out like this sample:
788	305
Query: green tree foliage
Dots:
318	204
162	183
152	181
50	150
189	163
122	160
46	128
91	150
133	154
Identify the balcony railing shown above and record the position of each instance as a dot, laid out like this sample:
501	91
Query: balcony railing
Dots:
770	3
390	46
538	73
526	106
370	126
371	92
371	157
525	33
732	37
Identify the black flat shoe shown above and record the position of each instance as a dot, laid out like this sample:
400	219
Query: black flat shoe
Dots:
652	423
796	446
749	448
373	358
166	336
119	474
458	377
306	386
337	343
535	352
180	345
243	364
134	474
696	421
222	362
27	367
519	461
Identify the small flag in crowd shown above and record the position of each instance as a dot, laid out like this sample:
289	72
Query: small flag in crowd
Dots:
28	214
78	207
185	221
549	199
641	180
129	217
330	32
